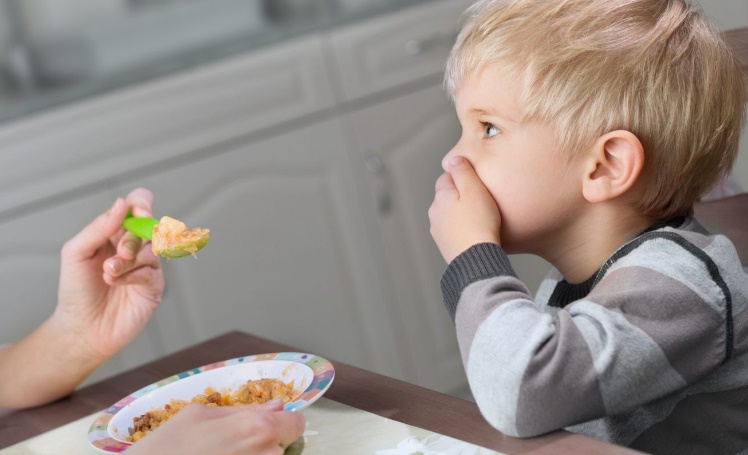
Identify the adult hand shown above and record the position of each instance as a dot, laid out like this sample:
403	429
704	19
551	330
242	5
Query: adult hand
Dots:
224	430
463	212
110	281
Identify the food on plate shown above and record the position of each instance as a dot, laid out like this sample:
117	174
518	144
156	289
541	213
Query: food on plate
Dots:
172	239
252	392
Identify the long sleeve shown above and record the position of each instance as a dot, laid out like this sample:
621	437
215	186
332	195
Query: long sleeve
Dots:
657	320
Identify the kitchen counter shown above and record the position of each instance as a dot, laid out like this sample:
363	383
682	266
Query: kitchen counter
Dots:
148	42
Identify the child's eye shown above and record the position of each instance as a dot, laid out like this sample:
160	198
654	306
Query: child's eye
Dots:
490	130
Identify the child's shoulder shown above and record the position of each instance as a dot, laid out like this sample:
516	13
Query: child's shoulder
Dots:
681	244
679	259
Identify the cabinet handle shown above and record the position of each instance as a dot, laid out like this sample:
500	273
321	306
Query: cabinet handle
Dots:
376	168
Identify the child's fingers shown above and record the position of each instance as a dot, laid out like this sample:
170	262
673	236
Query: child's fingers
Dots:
444	182
463	174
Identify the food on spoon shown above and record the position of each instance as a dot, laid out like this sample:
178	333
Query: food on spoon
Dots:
172	239
252	392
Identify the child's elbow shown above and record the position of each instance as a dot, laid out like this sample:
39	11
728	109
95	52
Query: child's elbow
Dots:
520	422
503	419
509	426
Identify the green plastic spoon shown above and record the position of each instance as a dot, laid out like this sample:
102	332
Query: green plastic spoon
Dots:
190	243
140	226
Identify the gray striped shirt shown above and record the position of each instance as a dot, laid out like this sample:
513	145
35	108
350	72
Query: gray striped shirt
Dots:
651	352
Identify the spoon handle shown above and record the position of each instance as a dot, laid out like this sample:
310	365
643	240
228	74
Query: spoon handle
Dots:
140	226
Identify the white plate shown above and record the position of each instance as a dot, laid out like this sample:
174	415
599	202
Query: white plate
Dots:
311	374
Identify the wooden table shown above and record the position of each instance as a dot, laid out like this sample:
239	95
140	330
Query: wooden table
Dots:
362	389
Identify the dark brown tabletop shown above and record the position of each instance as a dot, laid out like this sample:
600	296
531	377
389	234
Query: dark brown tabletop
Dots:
352	386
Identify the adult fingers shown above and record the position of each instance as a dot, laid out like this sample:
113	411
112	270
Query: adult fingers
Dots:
223	411
128	246
289	426
141	275
92	237
140	201
285	426
272	405
121	265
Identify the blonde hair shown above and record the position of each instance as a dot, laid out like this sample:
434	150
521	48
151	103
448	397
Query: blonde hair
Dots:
655	68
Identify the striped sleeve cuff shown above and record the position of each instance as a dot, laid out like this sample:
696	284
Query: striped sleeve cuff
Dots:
484	260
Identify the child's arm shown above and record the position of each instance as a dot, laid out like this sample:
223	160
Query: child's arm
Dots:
652	325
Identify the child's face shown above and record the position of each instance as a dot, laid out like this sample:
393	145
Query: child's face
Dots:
535	186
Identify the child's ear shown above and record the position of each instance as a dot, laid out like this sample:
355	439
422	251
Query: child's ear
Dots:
614	164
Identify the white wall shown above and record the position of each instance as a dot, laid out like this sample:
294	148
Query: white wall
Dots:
726	14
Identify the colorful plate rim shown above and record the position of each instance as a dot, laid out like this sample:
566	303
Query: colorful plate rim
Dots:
323	370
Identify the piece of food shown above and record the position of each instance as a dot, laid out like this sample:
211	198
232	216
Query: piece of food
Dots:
172	239
252	392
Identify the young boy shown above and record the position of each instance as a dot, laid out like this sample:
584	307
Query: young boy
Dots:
589	128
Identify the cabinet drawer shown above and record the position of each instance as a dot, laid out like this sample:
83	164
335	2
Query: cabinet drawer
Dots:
397	48
96	139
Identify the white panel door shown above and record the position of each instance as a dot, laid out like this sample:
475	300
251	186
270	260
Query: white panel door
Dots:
288	257
401	142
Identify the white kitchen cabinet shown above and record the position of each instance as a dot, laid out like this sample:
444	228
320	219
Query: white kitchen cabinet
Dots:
288	257
401	143
396	49
311	161
60	168
147	125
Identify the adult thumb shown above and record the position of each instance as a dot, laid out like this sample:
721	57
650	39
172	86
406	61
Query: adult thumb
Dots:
98	232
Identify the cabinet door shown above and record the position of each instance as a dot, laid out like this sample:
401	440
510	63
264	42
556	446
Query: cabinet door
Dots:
288	258
396	49
162	119
30	267
401	143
